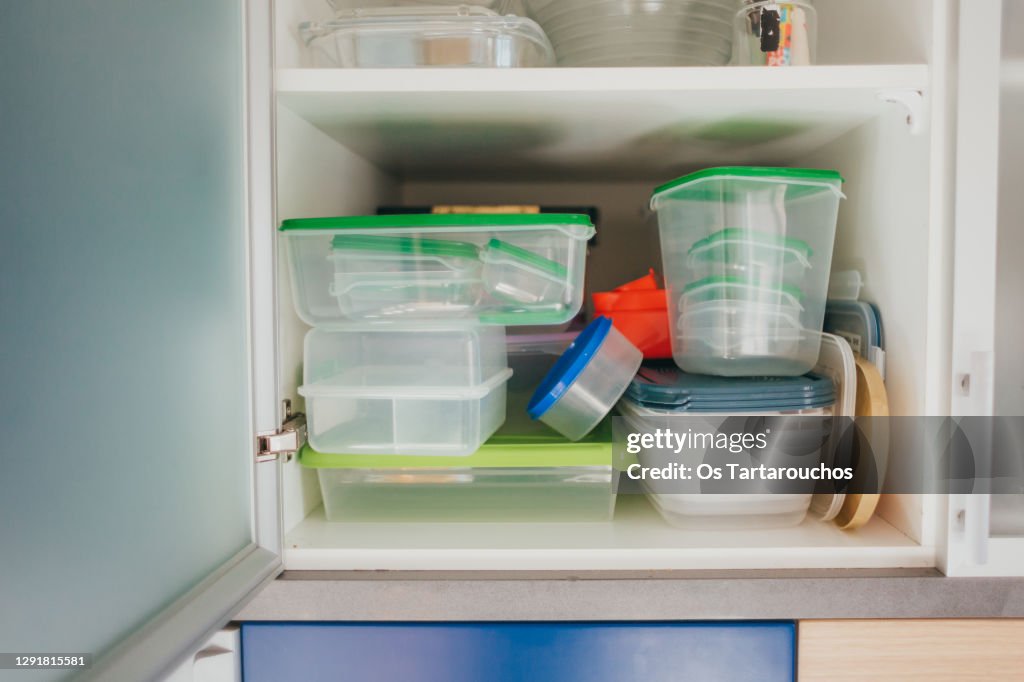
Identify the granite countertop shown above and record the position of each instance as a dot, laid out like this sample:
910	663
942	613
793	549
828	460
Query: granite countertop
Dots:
654	595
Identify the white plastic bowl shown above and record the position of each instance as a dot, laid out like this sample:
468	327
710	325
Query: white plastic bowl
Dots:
585	383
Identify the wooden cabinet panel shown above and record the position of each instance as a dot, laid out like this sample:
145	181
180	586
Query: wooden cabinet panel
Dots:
933	650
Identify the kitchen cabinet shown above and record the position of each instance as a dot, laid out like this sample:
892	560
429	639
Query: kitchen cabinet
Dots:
933	650
173	345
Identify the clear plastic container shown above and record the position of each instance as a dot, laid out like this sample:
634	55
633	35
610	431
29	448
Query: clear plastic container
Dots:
635	32
428	389
764	506
741	338
430	267
719	288
583	386
753	335
513	477
531	357
751	256
520	276
775	34
845	285
425	36
391	275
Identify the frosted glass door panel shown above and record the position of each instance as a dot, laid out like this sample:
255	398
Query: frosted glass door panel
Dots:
123	366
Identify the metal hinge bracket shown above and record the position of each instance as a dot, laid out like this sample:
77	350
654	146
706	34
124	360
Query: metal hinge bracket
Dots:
285	441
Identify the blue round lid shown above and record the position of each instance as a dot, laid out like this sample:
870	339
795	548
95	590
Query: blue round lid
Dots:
572	363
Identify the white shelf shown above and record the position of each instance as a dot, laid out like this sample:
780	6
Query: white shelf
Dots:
637	539
637	123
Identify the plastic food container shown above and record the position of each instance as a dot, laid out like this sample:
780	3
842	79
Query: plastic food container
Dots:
861	326
637	32
424	36
663	385
397	274
639	310
433	266
768	504
751	257
760	221
845	285
582	387
775	34
531	357
511	478
429	389
515	274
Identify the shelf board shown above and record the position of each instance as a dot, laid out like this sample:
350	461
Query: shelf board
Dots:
608	123
638	539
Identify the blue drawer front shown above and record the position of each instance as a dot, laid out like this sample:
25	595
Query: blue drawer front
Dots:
520	652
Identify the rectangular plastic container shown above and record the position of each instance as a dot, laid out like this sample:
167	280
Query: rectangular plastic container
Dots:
515	477
702	510
428	390
747	253
425	36
503	269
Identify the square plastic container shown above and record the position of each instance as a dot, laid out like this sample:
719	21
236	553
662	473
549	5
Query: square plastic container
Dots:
775	34
734	240
425	36
514	477
702	510
503	269
426	390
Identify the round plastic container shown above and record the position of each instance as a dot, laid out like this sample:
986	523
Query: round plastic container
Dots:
515	274
771	224
775	34
585	383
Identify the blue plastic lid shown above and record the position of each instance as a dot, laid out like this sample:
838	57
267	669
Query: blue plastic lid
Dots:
665	384
855	321
735	406
568	368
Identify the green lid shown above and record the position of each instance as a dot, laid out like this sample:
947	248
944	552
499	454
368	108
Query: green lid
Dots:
711	281
406	245
436	220
753	237
501	451
528	257
797	174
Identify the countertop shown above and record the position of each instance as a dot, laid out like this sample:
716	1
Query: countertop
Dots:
610	596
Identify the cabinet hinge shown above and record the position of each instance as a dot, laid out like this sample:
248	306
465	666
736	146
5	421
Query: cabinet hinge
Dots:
285	441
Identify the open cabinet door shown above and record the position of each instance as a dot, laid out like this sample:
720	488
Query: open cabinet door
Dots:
980	540
136	281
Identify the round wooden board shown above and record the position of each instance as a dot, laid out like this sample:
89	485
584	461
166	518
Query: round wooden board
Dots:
872	401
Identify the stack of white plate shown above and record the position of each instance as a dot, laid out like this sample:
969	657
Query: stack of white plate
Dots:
637	32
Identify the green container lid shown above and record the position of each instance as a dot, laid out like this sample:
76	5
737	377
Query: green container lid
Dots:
501	451
720	279
753	237
579	225
406	245
528	258
793	175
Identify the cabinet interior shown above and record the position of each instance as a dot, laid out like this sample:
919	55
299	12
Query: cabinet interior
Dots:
343	148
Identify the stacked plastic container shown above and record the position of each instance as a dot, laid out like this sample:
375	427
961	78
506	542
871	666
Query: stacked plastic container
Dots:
407	357
747	253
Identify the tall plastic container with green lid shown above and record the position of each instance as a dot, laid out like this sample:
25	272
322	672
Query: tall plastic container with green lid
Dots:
502	269
747	253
